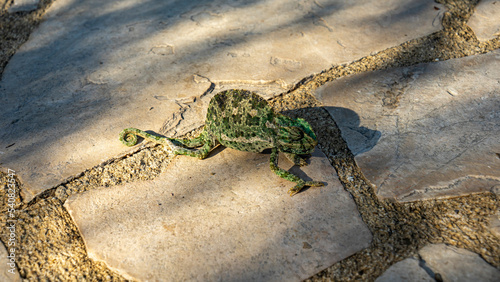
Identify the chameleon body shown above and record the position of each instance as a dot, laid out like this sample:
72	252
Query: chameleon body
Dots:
244	121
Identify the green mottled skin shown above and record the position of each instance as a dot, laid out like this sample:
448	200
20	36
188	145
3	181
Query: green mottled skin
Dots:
244	121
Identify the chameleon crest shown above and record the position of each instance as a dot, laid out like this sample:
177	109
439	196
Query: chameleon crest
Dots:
244	121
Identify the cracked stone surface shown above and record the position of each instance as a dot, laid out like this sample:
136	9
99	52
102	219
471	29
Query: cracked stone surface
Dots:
93	67
454	264
425	131
485	21
405	270
224	218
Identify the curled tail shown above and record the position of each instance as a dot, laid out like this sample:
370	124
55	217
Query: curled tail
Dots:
128	136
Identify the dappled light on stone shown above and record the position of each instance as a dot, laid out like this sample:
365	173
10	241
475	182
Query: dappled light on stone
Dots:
227	217
93	68
416	195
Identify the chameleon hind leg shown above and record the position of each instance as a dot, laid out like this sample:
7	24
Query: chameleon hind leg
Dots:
273	163
200	153
207	145
189	143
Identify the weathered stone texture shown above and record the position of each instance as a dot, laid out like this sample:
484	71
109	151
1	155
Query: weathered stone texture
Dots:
226	218
494	224
425	131
440	261
485	22
406	270
454	264
94	67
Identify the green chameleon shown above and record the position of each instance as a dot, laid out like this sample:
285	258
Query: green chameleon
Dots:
244	121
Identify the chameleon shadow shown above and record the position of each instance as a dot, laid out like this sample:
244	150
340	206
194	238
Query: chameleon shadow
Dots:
359	138
336	125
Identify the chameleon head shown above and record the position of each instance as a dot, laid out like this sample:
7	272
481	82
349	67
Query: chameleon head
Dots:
295	135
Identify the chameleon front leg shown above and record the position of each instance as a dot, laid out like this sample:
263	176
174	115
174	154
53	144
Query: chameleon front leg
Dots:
273	163
296	159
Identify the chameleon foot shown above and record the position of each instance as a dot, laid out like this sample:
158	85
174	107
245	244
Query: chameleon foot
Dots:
296	159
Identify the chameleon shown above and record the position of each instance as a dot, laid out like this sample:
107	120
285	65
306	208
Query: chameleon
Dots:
242	120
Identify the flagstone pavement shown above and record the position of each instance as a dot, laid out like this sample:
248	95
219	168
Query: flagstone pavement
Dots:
403	95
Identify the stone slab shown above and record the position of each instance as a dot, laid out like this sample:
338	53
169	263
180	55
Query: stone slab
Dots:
405	270
225	218
485	22
494	224
454	264
95	67
6	272
23	6
425	131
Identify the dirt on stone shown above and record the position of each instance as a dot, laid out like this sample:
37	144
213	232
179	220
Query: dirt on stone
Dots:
52	247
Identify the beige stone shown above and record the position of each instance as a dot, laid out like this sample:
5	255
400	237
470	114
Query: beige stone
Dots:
8	270
23	6
485	21
224	218
425	131
405	270
454	264
494	224
94	67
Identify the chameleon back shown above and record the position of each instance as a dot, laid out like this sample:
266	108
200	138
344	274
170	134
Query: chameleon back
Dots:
241	120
